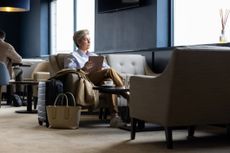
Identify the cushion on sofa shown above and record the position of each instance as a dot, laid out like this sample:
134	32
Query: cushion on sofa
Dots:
127	63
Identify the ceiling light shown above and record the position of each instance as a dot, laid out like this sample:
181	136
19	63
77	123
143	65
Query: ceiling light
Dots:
14	5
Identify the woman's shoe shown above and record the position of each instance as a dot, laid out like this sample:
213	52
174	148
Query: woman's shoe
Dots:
116	122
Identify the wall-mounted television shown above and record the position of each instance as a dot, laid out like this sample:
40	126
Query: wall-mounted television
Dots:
107	6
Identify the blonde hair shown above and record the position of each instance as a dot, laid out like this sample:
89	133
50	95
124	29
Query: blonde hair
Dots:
78	35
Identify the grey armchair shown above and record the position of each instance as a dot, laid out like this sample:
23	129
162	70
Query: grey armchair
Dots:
4	79
193	90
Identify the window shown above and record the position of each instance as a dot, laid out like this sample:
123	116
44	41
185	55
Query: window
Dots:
61	26
198	21
68	16
85	17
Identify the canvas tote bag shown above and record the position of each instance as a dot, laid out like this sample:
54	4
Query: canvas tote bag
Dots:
86	95
64	116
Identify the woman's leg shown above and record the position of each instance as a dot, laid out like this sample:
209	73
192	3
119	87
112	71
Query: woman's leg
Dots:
99	76
112	99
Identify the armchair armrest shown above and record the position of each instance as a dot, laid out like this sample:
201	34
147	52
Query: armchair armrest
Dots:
40	76
149	98
148	70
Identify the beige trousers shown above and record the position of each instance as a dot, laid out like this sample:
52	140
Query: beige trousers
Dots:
99	76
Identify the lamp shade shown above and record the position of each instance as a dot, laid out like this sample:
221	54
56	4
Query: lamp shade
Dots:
4	77
14	5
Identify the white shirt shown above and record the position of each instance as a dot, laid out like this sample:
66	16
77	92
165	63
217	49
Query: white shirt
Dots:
78	58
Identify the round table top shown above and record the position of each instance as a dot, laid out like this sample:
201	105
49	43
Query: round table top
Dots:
111	89
32	82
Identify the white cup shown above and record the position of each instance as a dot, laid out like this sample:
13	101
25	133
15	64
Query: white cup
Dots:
108	82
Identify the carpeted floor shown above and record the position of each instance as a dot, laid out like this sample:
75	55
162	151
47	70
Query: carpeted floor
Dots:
20	133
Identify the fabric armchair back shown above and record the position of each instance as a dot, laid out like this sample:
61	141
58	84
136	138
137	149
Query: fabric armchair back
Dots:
200	84
133	64
57	62
128	65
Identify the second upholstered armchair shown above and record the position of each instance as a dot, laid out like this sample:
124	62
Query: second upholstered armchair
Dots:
193	90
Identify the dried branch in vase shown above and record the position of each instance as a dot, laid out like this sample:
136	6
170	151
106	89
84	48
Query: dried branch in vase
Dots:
224	18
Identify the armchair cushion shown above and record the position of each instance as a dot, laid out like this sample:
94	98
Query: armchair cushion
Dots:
41	71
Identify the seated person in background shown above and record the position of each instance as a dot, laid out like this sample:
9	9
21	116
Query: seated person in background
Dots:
8	54
79	59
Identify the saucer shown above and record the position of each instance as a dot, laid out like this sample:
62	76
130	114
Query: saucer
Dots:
108	85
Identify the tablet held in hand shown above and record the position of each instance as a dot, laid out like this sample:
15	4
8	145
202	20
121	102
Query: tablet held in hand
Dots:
95	63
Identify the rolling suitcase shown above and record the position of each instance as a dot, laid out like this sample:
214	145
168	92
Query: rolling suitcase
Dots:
47	93
41	103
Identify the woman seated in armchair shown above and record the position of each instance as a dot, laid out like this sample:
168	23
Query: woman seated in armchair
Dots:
79	59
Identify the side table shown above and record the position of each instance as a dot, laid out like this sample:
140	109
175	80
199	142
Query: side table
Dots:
111	90
29	88
123	111
121	91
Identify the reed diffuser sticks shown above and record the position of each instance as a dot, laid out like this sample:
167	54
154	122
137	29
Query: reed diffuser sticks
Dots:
224	18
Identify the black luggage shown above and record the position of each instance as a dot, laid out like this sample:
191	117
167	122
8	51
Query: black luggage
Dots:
16	100
53	88
47	92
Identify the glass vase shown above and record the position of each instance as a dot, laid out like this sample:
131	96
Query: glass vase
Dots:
222	38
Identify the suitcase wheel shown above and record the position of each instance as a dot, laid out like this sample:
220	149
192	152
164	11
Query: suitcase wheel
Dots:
47	124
